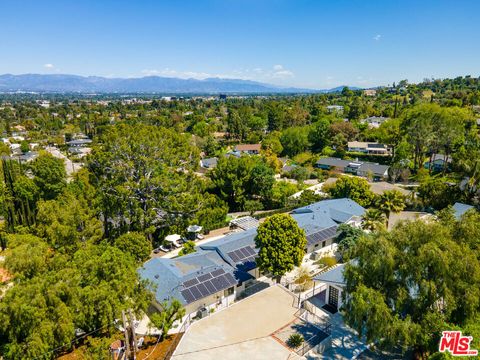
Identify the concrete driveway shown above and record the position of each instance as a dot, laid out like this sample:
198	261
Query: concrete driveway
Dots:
242	331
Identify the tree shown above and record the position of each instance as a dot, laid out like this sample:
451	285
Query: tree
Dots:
281	245
294	140
347	238
351	187
188	248
319	135
134	244
374	220
49	175
165	319
407	285
391	201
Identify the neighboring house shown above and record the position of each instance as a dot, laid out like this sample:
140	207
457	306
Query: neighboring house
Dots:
221	270
369	92
251	149
360	168
335	283
438	163
209	163
334	108
79	143
368	148
321	219
374	121
459	209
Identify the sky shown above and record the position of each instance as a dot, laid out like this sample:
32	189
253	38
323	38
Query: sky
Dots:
311	44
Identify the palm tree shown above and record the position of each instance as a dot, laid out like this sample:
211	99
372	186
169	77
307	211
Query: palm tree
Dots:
391	201
373	219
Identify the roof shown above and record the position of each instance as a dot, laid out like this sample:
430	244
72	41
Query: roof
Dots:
79	142
330	161
173	277
377	169
326	214
248	147
363	144
460	209
209	162
245	222
332	276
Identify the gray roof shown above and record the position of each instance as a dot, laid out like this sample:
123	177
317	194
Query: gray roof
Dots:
460	209
235	253
79	142
330	161
245	222
377	169
326	214
170	275
333	276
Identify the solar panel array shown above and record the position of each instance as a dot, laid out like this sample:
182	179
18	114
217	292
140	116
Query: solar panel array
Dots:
242	255
207	284
246	222
322	235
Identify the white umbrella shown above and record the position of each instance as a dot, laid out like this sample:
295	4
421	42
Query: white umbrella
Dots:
173	238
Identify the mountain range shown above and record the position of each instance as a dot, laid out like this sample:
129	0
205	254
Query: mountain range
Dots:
59	83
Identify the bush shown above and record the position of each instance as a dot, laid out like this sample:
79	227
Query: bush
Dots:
327	261
295	340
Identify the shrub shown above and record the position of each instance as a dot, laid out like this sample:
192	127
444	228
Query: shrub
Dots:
295	340
327	261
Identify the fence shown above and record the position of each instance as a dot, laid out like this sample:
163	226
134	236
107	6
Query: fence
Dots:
178	337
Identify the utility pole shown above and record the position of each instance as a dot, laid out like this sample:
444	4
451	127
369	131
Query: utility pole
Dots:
134	337
127	338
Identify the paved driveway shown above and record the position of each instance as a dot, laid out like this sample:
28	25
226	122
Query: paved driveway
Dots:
241	331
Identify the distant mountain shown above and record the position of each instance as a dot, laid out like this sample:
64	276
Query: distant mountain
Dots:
148	84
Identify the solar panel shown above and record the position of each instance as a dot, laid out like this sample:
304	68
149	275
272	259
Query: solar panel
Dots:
203	290
243	255
218	272
217	283
209	286
191	282
321	235
234	256
202	278
188	296
195	292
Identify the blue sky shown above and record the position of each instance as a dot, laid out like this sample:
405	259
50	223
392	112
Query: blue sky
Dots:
315	44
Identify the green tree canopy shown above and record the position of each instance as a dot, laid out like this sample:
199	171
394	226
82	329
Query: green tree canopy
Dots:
352	187
282	245
135	244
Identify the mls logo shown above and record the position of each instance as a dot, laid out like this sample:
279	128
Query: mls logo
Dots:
456	344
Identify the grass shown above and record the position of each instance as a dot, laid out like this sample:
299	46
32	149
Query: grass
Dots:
327	261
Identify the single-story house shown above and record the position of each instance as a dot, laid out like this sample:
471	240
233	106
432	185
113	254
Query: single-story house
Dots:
79	142
459	209
321	219
222	269
374	121
438	163
368	147
251	149
334	108
209	163
360	168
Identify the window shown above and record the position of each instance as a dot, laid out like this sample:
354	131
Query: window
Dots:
316	245
229	291
324	243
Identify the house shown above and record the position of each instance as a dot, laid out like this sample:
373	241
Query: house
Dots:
374	121
334	108
79	142
369	92
251	149
335	283
360	168
321	219
330	163
222	270
201	281
209	163
371	148
438	163
459	209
